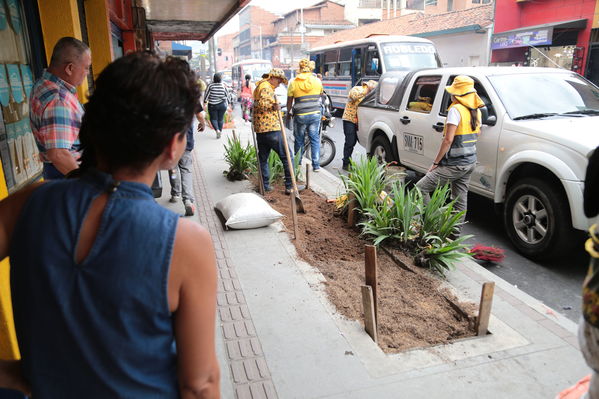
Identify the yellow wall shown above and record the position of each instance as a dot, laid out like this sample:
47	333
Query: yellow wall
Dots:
60	18
596	18
98	34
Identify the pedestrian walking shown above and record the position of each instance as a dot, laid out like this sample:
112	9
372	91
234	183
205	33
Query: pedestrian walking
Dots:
266	123
303	100
456	159
216	97
119	297
55	111
350	119
180	177
247	94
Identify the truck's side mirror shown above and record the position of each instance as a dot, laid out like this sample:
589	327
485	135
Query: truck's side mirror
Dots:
490	120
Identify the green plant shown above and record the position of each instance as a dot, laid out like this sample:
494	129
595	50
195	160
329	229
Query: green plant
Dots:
397	218
275	166
439	217
440	255
241	160
366	180
424	231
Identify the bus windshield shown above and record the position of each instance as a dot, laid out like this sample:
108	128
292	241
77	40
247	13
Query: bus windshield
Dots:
256	70
408	56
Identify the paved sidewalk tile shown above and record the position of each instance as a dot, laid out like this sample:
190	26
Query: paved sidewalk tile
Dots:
251	376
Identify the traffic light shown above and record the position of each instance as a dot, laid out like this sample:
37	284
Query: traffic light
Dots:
219	51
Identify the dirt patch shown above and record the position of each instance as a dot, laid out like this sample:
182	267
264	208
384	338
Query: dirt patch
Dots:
414	311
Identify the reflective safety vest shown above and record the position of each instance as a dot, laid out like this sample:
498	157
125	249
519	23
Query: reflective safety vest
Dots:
305	89
463	147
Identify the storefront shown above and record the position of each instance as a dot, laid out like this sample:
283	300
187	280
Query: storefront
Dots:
548	45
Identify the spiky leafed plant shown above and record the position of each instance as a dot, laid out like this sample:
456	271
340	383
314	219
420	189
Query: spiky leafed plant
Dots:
275	167
241	160
366	180
439	217
441	255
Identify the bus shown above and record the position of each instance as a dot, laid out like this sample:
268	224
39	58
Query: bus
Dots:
255	67
346	64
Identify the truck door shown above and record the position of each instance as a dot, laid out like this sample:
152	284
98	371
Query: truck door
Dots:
420	123
483	177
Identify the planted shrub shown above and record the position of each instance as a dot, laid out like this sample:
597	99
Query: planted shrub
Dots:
366	180
241	160
423	231
275	165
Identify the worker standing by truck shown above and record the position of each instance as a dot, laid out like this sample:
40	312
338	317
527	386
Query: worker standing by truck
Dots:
456	158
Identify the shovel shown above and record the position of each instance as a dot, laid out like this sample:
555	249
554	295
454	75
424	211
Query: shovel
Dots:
298	200
261	182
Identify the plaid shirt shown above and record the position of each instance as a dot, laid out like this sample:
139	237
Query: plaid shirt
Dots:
55	115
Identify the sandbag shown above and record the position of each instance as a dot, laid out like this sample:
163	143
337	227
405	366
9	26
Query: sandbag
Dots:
246	211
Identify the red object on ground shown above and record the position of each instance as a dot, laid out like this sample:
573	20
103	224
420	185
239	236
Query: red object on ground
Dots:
490	254
576	391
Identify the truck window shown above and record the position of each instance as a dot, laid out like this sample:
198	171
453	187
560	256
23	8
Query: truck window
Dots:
423	94
489	110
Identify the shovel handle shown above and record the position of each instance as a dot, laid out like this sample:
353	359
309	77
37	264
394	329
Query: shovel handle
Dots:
289	163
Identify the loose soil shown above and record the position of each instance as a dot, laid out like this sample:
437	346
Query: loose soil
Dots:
414	310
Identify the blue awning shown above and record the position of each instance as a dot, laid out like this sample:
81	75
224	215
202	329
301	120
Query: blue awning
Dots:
180	47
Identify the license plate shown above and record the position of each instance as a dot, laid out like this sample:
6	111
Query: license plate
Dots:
413	143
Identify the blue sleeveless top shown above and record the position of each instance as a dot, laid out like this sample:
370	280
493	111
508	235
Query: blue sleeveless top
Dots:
101	328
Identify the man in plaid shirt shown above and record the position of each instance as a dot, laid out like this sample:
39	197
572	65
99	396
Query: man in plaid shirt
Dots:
55	112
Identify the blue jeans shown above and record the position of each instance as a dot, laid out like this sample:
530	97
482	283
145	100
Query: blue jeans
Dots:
310	124
272	141
350	130
217	115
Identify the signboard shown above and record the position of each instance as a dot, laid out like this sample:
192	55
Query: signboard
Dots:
539	37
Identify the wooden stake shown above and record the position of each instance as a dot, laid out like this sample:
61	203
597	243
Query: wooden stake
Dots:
307	176
351	210
234	135
294	215
369	316
484	311
371	274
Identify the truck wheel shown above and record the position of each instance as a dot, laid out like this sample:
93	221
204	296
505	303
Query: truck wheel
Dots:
381	150
537	219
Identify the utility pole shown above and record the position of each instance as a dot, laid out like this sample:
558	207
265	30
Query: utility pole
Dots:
212	46
261	50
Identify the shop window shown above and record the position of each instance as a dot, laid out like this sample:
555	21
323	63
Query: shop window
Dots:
18	151
423	94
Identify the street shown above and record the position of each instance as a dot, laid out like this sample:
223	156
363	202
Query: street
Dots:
556	282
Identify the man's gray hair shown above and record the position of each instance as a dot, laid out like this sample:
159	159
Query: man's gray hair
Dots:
66	50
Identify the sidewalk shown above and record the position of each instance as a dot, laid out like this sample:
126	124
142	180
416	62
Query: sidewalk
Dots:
279	337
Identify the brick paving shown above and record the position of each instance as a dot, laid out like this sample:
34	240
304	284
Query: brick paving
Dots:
249	370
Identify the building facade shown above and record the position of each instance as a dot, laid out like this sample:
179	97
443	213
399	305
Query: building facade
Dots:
299	29
224	52
256	32
549	33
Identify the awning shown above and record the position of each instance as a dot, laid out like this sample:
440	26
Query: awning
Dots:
537	35
189	19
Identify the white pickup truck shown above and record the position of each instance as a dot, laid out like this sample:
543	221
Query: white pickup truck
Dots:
540	126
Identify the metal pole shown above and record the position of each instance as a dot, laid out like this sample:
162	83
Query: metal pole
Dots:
302	24
212	55
261	50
